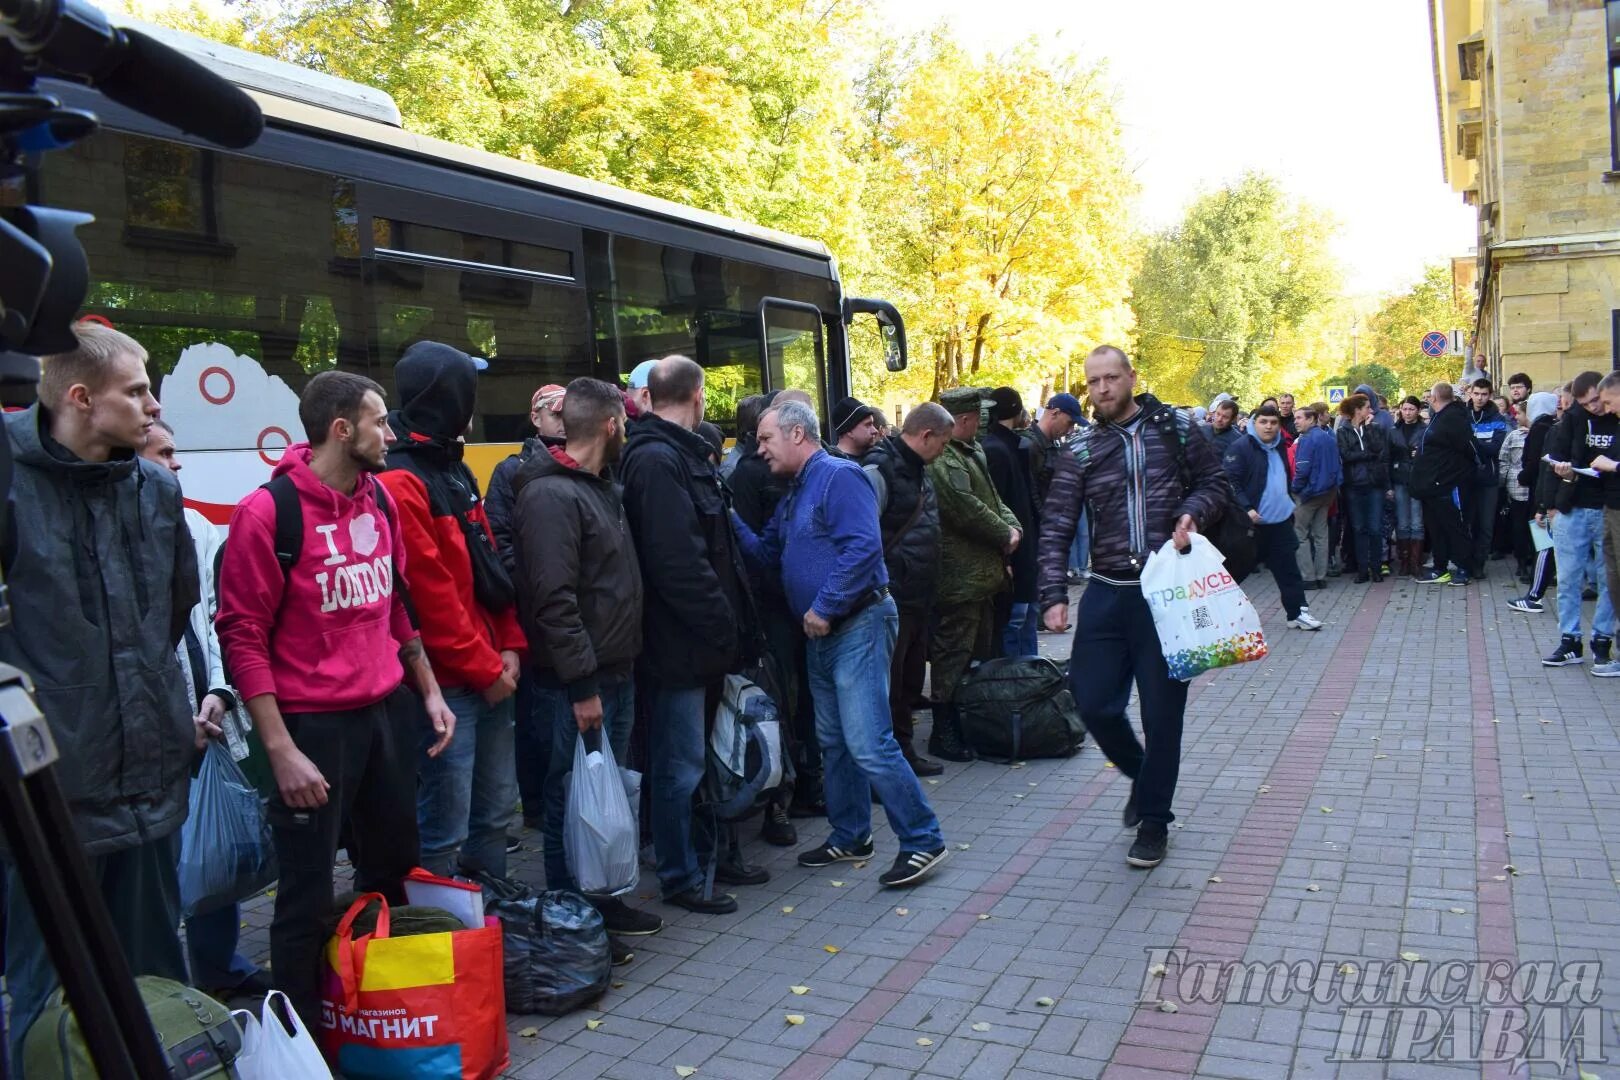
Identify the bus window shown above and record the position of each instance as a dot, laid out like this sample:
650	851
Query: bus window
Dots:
798	360
226	269
531	332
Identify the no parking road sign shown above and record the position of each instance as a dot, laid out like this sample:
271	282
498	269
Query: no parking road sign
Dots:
1436	344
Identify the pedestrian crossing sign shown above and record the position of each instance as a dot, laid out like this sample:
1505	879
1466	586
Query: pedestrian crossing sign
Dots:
1335	394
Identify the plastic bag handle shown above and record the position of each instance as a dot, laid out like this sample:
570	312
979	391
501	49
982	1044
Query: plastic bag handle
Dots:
345	936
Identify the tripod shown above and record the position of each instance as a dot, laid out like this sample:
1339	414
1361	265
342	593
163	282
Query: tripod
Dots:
66	900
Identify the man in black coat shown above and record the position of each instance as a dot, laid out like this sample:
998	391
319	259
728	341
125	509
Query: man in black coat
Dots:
908	514
1444	464
698	619
1016	618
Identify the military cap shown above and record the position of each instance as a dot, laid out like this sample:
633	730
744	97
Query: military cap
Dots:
962	399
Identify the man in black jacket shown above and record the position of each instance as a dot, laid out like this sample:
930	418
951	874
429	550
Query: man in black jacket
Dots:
1543	408
1144	473
698	619
1010	473
580	603
1575	518
908	514
1257	466
1444	464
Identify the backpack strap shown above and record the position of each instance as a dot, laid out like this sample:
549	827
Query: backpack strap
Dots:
386	506
289	521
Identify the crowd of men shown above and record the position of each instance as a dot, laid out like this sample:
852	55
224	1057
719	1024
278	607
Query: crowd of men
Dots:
416	659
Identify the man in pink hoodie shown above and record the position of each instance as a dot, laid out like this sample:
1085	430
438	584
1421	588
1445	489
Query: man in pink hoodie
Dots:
318	641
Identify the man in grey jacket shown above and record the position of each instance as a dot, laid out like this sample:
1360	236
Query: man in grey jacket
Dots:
103	581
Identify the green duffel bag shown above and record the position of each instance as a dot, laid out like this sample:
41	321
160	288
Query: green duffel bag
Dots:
1019	707
198	1036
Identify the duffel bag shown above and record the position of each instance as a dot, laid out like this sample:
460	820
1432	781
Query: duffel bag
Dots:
197	1033
1015	708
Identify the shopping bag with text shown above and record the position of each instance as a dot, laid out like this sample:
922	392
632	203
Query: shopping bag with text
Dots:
1203	618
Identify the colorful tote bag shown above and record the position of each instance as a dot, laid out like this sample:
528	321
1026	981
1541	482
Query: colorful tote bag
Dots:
425	1007
1203	618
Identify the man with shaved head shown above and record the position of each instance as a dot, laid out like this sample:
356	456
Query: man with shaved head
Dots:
698	621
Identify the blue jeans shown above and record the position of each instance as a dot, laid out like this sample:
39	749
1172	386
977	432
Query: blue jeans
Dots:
141	886
465	798
676	770
849	679
1080	551
1021	636
211	939
1408	514
1367	519
554	715
1578	544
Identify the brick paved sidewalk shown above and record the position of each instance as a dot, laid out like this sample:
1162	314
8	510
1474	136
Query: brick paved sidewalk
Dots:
1354	797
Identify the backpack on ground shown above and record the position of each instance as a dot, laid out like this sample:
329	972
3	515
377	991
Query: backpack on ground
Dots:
747	756
1019	707
198	1036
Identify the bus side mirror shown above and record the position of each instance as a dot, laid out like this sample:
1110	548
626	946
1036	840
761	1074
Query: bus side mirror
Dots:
890	324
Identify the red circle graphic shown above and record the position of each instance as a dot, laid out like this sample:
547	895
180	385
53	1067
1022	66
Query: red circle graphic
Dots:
286	441
230	385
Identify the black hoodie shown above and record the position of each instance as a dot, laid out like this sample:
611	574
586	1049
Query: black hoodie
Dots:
698	622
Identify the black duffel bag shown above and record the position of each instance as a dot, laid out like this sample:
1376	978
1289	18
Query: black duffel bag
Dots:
1015	708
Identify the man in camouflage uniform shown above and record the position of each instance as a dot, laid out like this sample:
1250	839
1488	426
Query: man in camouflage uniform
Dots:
977	533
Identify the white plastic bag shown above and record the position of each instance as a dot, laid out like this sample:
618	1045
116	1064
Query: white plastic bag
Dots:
269	1052
600	830
1203	618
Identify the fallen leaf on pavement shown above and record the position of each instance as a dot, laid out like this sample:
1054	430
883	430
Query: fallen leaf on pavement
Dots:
833	949
1327	809
593	1024
1045	1002
684	1071
1169	1006
1511	869
982	918
528	1032
794	1018
981	1026
1313	887
902	911
787	910
1410	957
861	865
1459	911
1156	969
1215	878
1347	969
838	884
800	990
925	1042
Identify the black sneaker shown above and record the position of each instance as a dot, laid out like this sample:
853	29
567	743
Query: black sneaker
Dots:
830	853
1600	649
1148	851
1589	594
1435	577
1459	580
694	900
778	828
1567	653
922	767
740	873
514	844
622	919
911	867
1528	604
622	953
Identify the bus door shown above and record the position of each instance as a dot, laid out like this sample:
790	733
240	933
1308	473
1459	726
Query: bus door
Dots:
793	344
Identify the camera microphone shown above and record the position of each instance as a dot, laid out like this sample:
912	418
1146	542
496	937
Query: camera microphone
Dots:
71	38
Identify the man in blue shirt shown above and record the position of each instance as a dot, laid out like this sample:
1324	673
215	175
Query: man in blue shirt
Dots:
825	543
1259	474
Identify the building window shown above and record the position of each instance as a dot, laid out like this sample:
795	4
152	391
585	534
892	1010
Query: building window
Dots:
1612	8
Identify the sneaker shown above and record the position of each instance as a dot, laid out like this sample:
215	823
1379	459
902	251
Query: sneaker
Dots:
622	954
1460	580
1148	851
514	844
1321	583
1600	649
922	767
622	919
1609	669
1432	578
1305	620
1567	653
1311	584
912	866
830	853
778	829
1589	594
1527	604
694	900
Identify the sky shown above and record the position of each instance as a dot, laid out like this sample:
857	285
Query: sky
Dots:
1336	100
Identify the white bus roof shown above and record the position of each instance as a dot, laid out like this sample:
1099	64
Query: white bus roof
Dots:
293	96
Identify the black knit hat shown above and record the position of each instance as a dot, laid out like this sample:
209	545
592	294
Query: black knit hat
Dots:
846	413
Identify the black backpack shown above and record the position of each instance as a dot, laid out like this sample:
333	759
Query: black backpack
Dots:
1018	707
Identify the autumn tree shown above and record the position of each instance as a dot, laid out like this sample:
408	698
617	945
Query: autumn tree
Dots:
1394	333
999	206
1245	266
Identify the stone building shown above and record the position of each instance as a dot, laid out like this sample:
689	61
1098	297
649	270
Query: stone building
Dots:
1524	90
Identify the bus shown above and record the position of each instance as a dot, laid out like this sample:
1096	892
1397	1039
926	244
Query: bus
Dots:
339	238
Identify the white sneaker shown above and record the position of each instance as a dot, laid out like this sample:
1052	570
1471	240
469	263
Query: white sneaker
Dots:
1305	621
